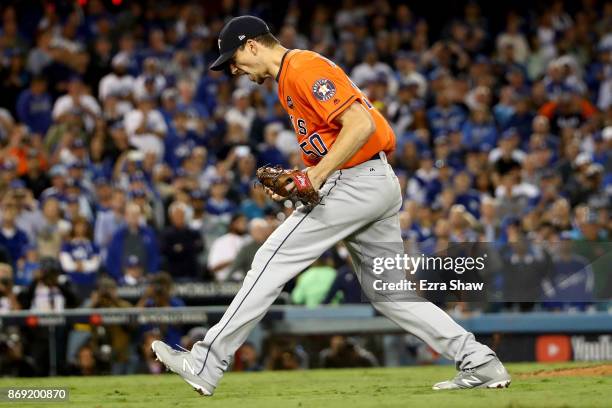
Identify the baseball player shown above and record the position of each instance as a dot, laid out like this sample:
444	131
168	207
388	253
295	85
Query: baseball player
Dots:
344	142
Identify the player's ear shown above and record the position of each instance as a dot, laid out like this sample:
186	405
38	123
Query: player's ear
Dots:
252	46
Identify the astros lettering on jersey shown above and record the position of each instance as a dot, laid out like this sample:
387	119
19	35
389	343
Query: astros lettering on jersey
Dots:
315	91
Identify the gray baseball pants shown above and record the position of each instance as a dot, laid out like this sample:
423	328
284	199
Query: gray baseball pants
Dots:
360	206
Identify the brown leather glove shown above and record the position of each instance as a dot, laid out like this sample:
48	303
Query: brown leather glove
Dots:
276	179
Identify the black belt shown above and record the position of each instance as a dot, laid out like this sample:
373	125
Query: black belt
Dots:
375	157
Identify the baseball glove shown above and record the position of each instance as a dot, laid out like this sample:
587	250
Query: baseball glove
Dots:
276	179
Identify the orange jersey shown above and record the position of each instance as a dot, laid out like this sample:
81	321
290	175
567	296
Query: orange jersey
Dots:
314	91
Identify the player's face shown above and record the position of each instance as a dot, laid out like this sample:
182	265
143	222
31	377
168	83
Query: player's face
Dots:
247	61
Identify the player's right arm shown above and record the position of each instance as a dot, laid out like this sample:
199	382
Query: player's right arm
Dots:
357	127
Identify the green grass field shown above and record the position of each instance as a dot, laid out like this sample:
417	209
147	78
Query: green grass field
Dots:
352	388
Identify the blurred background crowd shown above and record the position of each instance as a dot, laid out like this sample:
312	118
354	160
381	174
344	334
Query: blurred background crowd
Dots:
122	155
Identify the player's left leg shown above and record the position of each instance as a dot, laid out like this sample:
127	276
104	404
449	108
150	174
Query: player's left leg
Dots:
478	364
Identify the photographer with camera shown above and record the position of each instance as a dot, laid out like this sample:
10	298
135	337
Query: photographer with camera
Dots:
158	293
50	290
345	352
8	300
13	360
117	336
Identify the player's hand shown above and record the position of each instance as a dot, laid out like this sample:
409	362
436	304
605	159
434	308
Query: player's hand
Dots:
278	197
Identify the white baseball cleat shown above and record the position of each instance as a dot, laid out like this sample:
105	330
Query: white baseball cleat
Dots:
492	374
183	364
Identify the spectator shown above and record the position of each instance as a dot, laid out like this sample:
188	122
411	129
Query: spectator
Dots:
523	270
145	127
35	178
286	355
109	221
513	38
259	231
267	151
258	204
7	123
181	140
225	249
241	114
34	106
50	291
52	230
8	299
247	360
344	352
77	102
445	116
345	287
41	56
158	293
489	220
119	83
244	175
422	179
521	119
133	239
181	245
86	363
504	109
569	110
151	82
506	157
11	237
105	296
14	362
407	112
133	271
196	111
29	268
314	283
158	49
14	78
79	256
218	204
480	131
370	69
29	217
571	282
465	195
591	244
148	362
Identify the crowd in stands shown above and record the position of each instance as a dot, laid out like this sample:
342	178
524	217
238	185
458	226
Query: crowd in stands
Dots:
122	155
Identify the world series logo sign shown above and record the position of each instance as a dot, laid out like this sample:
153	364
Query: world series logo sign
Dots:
324	89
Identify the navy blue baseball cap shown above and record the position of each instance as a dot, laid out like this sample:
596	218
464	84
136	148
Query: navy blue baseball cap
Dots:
17	184
234	34
132	261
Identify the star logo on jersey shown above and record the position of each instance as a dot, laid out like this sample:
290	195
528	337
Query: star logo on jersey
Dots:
323	89
289	102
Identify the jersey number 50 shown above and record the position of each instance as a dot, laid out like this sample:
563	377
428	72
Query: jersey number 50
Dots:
314	146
